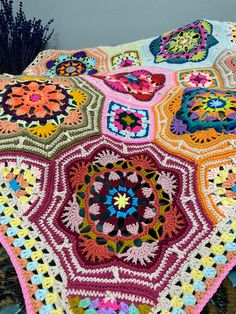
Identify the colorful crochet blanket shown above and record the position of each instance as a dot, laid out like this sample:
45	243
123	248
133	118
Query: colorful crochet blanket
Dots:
118	174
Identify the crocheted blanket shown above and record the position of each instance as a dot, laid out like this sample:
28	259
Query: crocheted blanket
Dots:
118	174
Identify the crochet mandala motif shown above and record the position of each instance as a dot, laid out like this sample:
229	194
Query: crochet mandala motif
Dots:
186	44
118	174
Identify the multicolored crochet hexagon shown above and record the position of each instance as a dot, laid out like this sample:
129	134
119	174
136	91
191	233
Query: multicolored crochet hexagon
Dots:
118	174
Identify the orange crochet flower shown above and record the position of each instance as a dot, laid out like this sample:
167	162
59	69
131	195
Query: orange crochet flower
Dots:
40	106
35	100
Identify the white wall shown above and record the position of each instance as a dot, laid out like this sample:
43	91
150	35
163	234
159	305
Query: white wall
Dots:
88	23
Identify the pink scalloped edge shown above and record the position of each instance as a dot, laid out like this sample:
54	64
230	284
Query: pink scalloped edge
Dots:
214	288
21	279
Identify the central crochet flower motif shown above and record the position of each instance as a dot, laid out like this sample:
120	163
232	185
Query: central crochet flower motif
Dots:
127	120
122	203
70	68
199	79
39	106
186	44
205	109
71	64
125	59
35	101
121	208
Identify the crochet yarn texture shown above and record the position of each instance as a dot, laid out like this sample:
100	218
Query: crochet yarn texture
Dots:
118	174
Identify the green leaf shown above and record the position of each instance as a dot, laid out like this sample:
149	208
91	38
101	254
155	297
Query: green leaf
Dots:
201	55
207	26
159	59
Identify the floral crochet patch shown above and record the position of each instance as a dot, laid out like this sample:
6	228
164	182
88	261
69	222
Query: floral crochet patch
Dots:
126	59
190	43
204	109
205	78
141	84
128	123
72	65
46	112
226	65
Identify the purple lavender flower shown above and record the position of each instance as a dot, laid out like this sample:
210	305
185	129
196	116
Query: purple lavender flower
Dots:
20	39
